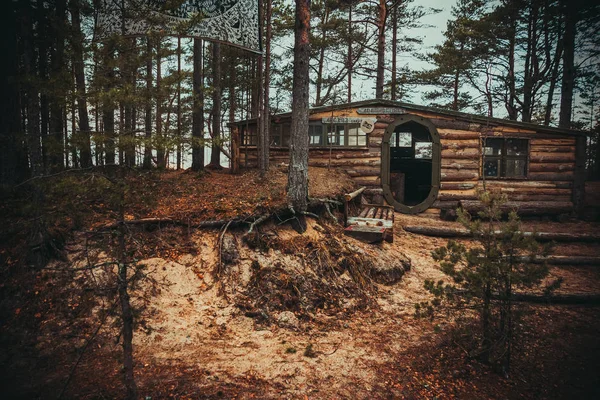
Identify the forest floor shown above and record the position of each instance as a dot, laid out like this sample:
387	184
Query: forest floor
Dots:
282	315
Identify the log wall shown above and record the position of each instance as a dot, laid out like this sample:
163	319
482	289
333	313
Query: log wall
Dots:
551	175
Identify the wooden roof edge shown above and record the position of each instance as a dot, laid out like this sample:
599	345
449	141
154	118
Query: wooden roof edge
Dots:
480	119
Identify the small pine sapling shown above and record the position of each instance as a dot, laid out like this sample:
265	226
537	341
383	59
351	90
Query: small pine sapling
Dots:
484	276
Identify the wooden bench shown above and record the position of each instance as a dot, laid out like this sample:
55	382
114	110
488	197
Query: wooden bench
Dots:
373	223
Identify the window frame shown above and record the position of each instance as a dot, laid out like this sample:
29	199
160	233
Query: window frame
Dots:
503	157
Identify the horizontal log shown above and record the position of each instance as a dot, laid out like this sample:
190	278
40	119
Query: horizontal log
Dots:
460	144
465	154
449	175
525	184
454	232
452	163
374	191
457	134
344	163
457	185
559	176
538	197
563	260
512	129
449	196
454	124
364	172
339	154
552	149
551	157
557	299
445	205
552	142
381	124
550	167
531	190
368	180
522	207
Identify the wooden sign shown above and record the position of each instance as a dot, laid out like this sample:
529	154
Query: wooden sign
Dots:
366	124
381	110
342	120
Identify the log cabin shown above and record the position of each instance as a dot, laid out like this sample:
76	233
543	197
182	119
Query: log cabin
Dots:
424	160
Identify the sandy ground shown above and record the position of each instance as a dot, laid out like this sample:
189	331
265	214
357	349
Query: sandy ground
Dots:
192	338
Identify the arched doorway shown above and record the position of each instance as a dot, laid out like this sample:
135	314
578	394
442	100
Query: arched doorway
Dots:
410	164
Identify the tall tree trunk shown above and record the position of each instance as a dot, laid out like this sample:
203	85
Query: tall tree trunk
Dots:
160	141
511	107
215	154
321	61
179	135
131	52
350	62
298	169
57	62
126	310
83	138
108	107
394	49
570	11
553	79
198	111
267	111
31	94
43	40
10	124
381	18
147	164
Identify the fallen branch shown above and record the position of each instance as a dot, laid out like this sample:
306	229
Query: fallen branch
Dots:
439	231
258	221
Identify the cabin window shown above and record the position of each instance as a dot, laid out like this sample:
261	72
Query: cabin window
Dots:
505	158
315	135
319	135
280	135
249	136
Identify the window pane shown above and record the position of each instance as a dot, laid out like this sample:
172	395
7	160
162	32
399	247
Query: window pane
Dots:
315	133
352	140
516	147
424	150
285	134
405	139
362	140
491	168
393	140
493	147
515	167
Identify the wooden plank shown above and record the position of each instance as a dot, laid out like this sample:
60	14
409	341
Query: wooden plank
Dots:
363	212
551	157
524	207
366	221
550	167
449	175
552	149
552	142
525	184
443	123
512	129
559	176
368	234
465	154
457	185
451	163
460	144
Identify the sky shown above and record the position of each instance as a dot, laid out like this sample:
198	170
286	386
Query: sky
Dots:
432	34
